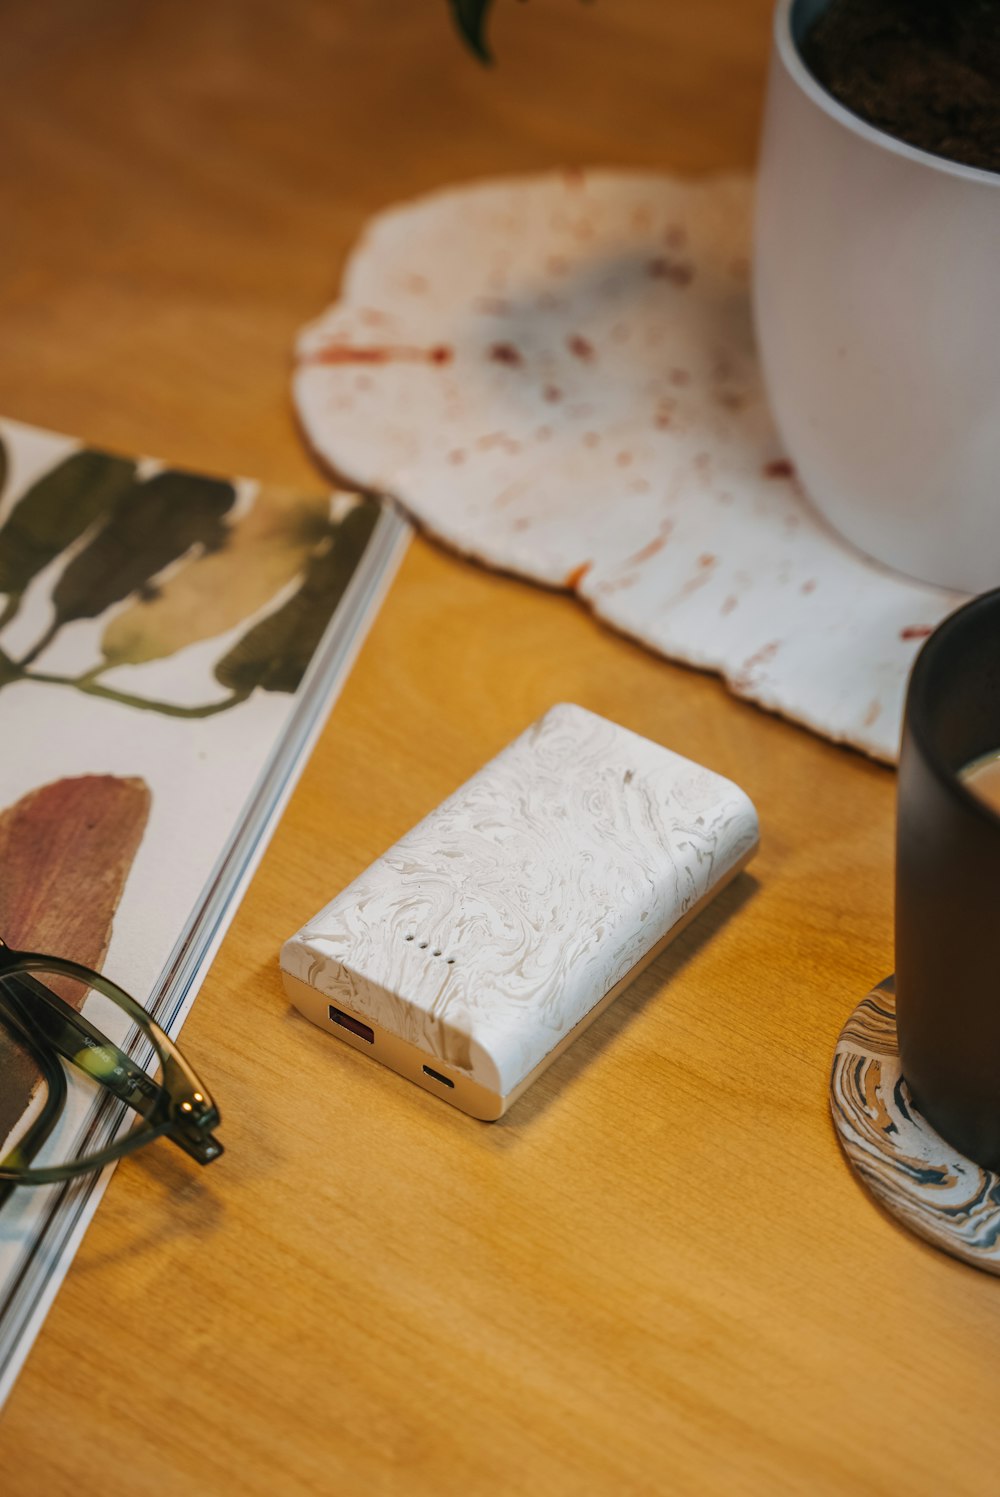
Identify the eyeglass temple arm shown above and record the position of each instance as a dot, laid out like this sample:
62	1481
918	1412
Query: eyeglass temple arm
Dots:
79	1042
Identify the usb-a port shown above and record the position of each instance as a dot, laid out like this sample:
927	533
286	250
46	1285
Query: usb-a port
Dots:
356	1026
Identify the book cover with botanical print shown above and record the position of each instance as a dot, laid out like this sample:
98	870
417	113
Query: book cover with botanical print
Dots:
170	644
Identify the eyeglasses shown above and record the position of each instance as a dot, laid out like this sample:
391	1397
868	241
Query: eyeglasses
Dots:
41	1002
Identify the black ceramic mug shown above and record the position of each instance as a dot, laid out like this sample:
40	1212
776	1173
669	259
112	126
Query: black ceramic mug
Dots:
948	885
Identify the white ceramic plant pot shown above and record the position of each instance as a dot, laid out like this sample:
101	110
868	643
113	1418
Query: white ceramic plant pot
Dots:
877	301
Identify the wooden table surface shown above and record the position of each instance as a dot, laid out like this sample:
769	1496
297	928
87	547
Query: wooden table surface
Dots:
657	1274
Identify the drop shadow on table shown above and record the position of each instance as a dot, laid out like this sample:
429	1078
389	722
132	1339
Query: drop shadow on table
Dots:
650	984
175	1201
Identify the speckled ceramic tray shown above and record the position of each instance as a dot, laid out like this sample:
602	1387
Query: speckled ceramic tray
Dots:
557	375
909	1168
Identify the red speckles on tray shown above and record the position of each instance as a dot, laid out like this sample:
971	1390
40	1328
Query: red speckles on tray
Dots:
916	631
543	433
706	566
731	602
679	377
873	712
506	353
620	584
591	439
557	265
581	348
456	457
497	439
576	576
677	272
675	236
780	467
416	284
552	394
651	548
808	587
624	459
753	667
492	306
386	353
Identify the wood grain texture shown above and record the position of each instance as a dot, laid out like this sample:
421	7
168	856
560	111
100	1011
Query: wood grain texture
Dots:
657	1274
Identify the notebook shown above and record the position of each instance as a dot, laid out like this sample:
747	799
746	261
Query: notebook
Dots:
170	646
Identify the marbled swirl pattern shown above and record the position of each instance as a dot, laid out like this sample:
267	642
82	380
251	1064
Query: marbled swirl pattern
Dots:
909	1168
507	914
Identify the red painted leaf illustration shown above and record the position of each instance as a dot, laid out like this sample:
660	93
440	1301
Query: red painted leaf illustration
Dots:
65	853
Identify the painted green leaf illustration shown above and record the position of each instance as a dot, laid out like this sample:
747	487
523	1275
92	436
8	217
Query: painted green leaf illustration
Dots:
55	512
158	521
275	652
258	557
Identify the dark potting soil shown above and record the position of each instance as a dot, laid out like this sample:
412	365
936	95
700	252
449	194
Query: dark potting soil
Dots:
926	71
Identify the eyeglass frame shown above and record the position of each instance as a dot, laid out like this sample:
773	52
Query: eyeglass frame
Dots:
178	1106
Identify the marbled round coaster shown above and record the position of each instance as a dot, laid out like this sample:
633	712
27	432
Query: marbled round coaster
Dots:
919	1178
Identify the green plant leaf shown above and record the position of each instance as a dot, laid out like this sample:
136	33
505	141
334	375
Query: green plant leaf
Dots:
156	523
274	653
259	556
55	512
470	18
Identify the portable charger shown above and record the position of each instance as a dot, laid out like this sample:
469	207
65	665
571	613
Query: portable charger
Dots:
472	953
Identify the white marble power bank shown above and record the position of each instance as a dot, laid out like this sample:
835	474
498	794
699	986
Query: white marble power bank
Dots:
470	954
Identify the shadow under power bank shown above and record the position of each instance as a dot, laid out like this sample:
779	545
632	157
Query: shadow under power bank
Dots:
472	953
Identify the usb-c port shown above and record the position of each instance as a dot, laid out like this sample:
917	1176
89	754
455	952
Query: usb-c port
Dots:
444	1080
348	1021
